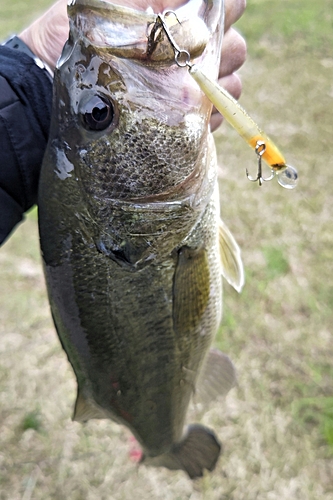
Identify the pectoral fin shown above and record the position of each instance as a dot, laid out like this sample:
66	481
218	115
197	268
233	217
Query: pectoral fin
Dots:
231	261
217	377
191	288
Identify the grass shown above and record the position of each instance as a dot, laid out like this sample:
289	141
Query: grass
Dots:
17	14
277	425
32	420
302	24
293	251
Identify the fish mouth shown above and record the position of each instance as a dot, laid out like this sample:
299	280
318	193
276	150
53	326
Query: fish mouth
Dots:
124	31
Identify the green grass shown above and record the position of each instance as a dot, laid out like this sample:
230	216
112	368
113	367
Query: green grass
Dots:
17	14
277	425
32	420
302	23
316	411
276	263
290	50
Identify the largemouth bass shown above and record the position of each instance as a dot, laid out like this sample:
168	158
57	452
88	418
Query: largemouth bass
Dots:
129	225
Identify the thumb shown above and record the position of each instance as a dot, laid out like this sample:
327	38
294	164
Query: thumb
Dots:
47	35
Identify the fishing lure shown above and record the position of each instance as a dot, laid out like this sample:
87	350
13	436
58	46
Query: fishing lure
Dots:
236	115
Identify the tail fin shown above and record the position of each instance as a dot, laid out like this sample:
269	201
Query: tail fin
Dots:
199	450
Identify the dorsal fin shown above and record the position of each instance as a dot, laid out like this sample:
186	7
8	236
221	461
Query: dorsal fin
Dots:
231	261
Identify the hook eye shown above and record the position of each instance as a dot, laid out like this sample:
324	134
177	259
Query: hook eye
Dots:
260	149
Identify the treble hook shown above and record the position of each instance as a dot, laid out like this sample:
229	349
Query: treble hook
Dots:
231	110
260	149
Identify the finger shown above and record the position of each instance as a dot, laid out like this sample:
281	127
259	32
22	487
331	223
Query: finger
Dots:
233	10
233	53
233	85
215	121
47	35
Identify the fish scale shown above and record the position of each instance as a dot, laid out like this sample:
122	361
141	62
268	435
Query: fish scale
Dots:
138	169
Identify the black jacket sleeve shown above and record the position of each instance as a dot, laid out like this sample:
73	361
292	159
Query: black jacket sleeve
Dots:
25	113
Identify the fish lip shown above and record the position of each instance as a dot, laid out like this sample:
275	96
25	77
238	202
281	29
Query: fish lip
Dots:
140	21
101	4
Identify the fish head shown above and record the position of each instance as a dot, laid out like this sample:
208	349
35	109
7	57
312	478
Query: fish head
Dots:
130	136
131	120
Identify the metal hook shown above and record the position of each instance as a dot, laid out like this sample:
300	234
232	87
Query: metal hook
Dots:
182	57
260	149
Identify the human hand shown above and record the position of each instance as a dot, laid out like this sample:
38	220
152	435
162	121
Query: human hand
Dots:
232	57
48	34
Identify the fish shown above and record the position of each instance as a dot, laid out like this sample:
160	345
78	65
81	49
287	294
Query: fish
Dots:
132	244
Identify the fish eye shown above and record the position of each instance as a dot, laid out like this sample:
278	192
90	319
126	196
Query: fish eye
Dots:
97	113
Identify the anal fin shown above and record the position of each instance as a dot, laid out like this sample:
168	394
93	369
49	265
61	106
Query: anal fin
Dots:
217	377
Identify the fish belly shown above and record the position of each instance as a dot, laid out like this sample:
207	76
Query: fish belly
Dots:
127	334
